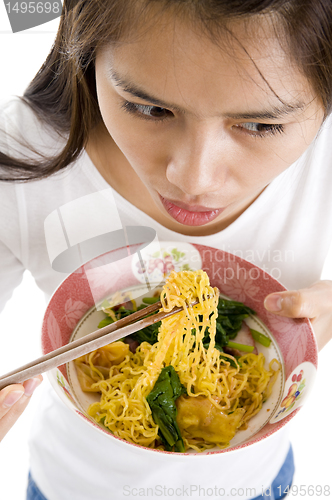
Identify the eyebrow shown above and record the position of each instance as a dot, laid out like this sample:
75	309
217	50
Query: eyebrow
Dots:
273	113
269	114
134	90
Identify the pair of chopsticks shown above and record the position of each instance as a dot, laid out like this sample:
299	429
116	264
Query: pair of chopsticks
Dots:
89	343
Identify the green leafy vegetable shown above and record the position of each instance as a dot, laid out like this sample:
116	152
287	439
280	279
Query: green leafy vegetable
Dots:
147	334
105	322
150	300
226	306
241	347
162	403
230	316
232	362
229	322
259	337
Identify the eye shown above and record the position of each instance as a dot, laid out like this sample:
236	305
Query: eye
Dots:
260	129
147	112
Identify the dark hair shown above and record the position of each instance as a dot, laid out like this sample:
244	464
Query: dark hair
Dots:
63	92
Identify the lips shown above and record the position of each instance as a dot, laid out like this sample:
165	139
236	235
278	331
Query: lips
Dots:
194	215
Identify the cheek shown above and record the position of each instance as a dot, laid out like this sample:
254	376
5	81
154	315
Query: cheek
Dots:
139	150
272	158
292	146
257	162
299	136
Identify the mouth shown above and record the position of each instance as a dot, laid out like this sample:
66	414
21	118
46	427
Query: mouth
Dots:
190	215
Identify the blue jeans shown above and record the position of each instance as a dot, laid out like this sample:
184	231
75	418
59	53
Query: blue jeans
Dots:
283	480
33	492
276	492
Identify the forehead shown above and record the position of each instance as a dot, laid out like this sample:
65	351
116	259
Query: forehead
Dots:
244	65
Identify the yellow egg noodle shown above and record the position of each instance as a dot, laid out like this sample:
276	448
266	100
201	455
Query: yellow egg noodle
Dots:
220	398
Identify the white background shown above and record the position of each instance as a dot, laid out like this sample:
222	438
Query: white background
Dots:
21	55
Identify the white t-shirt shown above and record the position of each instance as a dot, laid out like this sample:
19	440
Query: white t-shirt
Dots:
287	231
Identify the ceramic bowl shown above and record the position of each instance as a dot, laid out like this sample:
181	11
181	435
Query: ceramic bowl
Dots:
74	311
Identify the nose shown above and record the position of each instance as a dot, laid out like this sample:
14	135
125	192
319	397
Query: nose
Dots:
198	162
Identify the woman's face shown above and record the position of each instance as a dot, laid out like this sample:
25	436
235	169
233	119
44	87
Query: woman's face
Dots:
197	130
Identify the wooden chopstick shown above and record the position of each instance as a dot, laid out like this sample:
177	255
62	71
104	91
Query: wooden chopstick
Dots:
89	343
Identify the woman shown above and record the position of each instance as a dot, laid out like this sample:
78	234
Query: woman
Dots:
209	120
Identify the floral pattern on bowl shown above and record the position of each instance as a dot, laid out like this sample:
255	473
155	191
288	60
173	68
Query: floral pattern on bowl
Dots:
296	390
159	262
64	387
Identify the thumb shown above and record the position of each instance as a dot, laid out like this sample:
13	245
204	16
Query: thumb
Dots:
304	303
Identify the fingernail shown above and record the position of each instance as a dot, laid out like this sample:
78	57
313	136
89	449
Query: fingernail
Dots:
30	386
12	398
273	303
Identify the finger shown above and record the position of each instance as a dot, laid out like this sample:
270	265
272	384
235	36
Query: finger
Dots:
304	303
32	384
13	401
9	396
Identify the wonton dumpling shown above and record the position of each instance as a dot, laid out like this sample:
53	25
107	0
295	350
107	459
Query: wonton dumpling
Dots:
102	359
199	418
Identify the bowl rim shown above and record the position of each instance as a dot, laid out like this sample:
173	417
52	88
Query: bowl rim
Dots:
268	434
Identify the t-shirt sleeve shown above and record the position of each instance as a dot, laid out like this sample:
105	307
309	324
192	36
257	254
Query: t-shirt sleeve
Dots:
11	274
11	247
11	266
